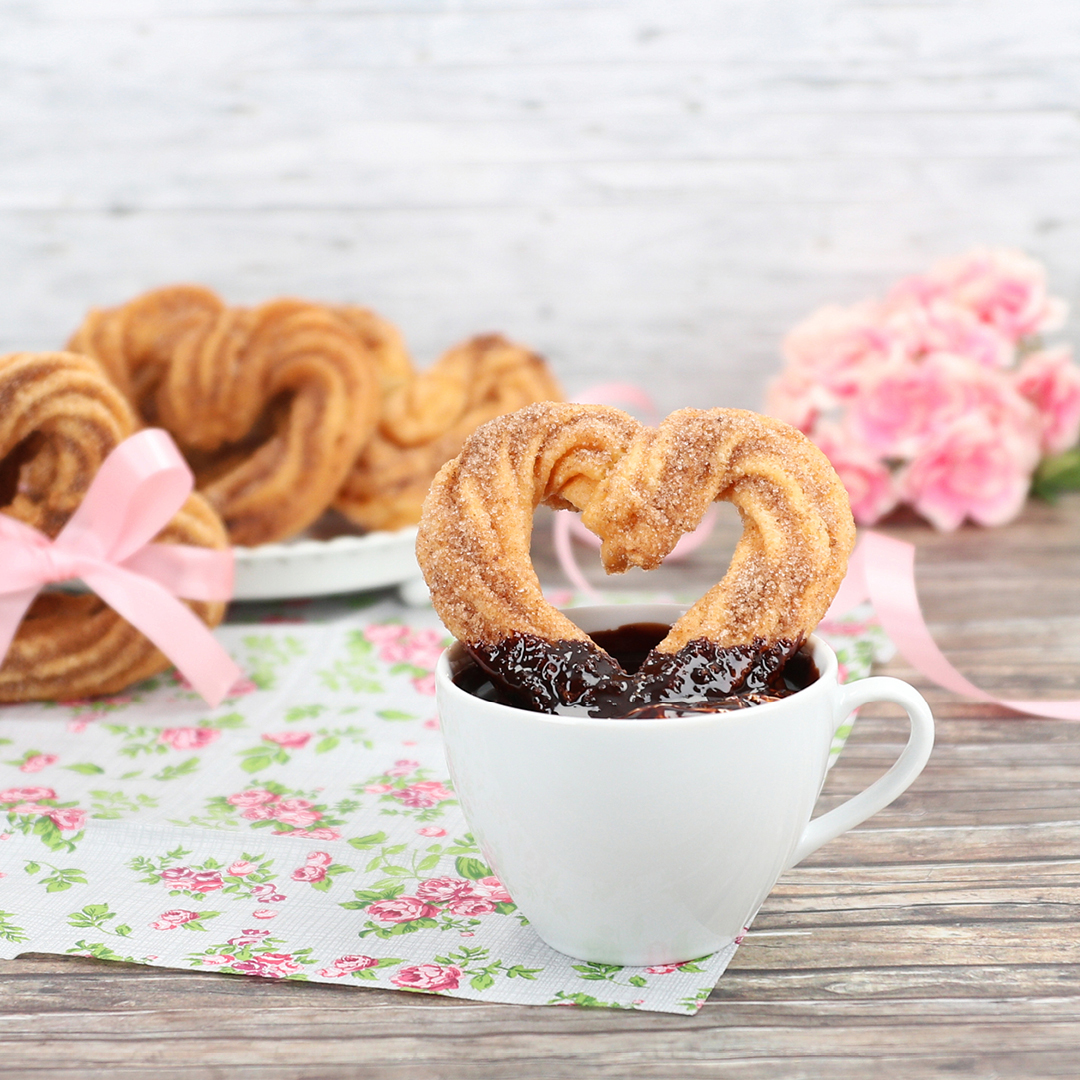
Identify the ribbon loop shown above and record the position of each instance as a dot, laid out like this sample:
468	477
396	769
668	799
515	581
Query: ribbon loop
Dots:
107	543
882	570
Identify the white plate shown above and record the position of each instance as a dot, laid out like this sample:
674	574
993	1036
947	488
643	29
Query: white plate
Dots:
342	564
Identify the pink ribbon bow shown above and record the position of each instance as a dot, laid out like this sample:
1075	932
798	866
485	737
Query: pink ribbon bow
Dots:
882	570
106	542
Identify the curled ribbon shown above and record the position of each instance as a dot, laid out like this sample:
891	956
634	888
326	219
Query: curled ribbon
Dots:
882	570
106	542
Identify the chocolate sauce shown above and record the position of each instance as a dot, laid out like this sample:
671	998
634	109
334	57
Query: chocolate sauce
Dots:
619	673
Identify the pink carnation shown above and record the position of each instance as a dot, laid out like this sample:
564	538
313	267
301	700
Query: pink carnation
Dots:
430	977
836	346
969	470
1005	289
1051	382
869	482
189	738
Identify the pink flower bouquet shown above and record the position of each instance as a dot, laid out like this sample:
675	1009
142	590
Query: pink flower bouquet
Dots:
942	396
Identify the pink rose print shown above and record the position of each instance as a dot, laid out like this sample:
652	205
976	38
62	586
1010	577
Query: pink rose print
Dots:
401	909
252	797
494	890
189	738
269	965
664	969
18	794
265	912
422	794
294	739
30	808
68	819
308	873
258	813
300	818
319	858
378	789
248	937
323	833
37	762
343	965
206	881
431	830
170	920
430	977
424	684
402	768
267	893
217	961
443	889
240	868
172	875
241	687
432	724
294	804
471	906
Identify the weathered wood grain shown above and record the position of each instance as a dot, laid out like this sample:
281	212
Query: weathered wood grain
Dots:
629	186
941	939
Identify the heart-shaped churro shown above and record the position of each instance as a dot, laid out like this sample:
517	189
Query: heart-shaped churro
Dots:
638	489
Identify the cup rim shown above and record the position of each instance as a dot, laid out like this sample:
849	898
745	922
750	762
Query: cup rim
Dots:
823	654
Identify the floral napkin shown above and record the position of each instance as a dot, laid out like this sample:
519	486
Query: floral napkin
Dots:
305	829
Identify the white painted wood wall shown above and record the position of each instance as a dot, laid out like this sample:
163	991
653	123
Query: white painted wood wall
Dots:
642	189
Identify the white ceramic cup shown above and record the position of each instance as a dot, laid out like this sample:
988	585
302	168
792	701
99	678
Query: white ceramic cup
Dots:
655	841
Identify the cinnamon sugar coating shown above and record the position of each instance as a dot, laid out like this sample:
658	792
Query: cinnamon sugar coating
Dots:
270	405
638	489
59	419
426	419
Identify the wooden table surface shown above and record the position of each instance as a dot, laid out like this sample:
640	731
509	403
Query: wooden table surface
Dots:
942	938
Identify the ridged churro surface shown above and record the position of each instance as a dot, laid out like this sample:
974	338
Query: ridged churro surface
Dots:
639	489
426	419
59	419
271	405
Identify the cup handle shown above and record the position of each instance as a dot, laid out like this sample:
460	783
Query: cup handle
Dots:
897	780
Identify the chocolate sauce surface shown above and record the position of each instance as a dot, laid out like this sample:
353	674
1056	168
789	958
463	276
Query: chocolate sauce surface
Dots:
619	674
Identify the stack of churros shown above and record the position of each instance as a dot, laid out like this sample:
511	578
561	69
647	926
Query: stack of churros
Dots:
291	408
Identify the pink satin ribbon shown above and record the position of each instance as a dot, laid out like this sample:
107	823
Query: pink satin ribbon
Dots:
882	570
106	542
567	524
